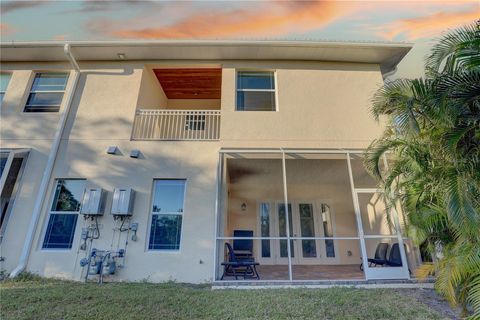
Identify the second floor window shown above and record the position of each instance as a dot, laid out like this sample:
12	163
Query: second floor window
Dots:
47	91
255	91
4	80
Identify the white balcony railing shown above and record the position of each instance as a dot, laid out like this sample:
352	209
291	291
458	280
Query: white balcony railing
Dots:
157	124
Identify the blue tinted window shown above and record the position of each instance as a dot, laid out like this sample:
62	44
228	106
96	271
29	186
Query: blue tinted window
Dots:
255	91
165	232
47	92
255	101
255	80
49	82
53	99
60	231
168	196
167	210
68	194
61	226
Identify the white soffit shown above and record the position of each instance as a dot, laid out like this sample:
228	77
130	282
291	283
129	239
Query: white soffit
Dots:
388	55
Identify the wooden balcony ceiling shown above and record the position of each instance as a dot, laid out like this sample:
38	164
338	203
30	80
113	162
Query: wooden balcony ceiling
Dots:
191	83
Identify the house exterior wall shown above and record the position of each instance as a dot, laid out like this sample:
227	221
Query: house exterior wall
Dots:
151	94
19	130
320	105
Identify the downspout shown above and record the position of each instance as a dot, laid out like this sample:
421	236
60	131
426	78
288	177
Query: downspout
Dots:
42	191
389	73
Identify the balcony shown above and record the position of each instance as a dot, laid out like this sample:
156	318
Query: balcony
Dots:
176	125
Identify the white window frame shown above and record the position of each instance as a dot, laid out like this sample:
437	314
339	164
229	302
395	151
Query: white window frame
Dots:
274	74
25	108
149	226
12	154
53	212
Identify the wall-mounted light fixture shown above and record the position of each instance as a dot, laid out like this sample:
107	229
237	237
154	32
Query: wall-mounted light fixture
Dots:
243	206
121	56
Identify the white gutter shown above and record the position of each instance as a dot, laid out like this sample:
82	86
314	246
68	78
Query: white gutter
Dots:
389	73
218	42
42	191
74	64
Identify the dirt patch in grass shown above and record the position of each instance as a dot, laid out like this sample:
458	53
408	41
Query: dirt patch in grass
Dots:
430	298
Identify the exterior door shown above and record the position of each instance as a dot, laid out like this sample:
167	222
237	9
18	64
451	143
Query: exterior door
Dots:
304	222
307	219
305	226
282	244
266	248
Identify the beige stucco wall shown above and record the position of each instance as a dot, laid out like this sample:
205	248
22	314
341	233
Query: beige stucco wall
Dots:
151	94
101	116
159	160
19	130
319	105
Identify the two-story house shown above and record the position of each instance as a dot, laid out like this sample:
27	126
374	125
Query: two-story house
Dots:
144	159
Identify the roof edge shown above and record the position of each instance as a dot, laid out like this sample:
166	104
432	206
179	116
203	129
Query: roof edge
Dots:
296	43
386	54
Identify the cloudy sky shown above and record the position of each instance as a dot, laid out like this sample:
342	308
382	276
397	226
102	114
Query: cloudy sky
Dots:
387	20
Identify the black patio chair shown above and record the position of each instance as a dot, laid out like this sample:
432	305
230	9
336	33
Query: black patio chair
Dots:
380	258
243	248
395	259
245	268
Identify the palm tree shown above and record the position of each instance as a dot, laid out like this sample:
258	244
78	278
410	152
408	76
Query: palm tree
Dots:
433	141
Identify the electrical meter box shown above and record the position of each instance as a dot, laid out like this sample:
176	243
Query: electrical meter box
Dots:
122	204
93	202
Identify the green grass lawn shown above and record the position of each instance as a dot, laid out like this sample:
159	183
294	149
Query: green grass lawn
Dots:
53	299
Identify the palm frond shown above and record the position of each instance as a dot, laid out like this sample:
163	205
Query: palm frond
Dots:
473	297
456	49
433	139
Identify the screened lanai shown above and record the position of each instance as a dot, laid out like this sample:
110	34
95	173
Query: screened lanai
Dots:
305	215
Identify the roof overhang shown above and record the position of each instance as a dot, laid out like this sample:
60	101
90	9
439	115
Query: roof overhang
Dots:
386	54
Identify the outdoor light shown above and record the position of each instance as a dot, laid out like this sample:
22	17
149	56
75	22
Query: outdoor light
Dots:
121	56
244	206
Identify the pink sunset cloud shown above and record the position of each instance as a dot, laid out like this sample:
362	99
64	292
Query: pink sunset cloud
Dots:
259	19
6	29
428	26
